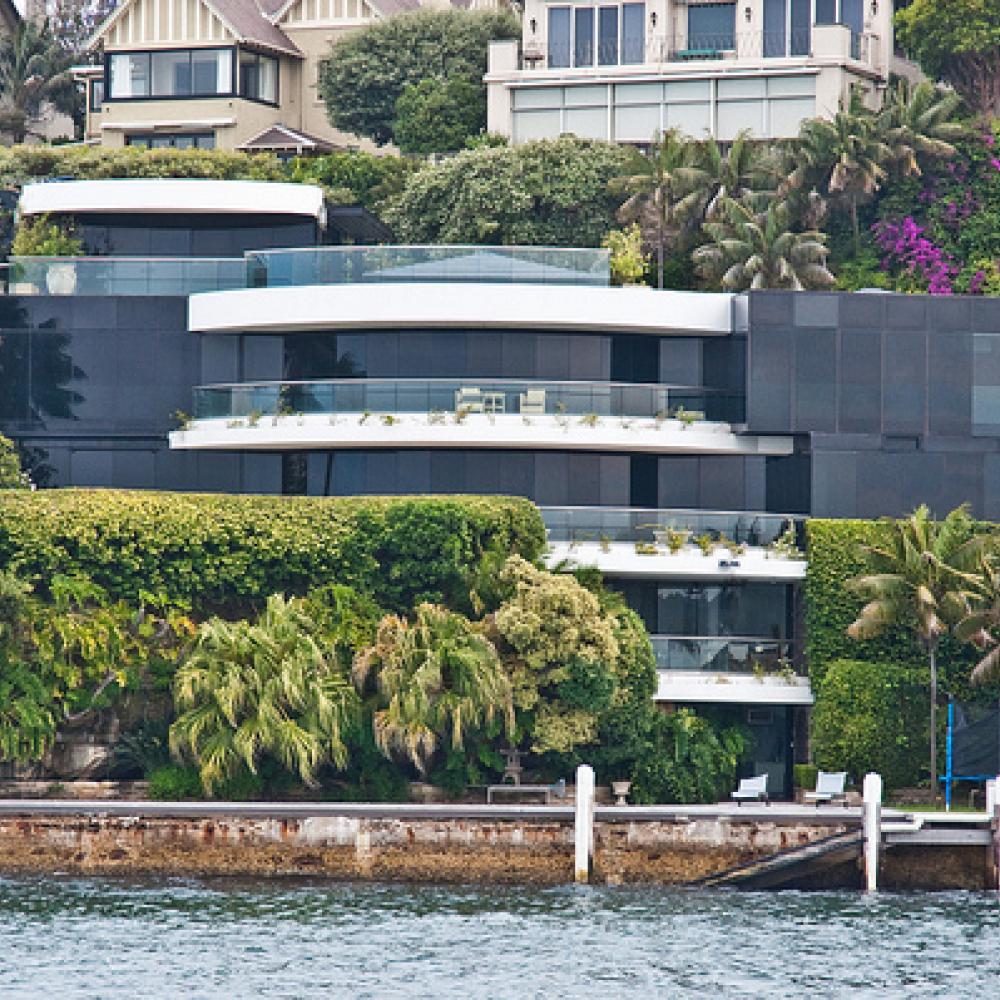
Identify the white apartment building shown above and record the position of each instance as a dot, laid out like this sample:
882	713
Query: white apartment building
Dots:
623	71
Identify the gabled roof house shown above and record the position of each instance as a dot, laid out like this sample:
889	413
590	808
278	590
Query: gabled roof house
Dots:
226	74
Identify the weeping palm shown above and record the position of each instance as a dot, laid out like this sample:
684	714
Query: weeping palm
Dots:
437	677
918	122
923	578
753	247
663	193
842	158
264	689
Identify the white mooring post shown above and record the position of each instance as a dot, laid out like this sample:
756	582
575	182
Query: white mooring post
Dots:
872	824
993	815
584	829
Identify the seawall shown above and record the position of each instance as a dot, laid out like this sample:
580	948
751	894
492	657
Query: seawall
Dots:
488	844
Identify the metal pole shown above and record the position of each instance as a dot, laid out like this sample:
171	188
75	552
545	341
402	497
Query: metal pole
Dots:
872	824
949	745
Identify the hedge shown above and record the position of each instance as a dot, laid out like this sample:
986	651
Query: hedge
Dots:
835	555
206	549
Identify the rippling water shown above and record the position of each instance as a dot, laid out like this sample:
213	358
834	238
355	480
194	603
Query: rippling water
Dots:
71	937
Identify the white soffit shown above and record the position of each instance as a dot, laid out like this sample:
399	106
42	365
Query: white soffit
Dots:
463	304
703	687
168	195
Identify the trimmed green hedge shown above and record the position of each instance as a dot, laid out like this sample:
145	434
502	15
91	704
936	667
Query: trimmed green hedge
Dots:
203	549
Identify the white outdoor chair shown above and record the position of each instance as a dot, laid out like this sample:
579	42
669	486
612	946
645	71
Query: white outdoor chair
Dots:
532	402
751	790
829	787
469	399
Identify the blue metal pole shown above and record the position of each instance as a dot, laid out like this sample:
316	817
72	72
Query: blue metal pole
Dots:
948	755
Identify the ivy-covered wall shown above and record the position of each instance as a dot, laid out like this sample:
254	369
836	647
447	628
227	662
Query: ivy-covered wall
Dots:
205	549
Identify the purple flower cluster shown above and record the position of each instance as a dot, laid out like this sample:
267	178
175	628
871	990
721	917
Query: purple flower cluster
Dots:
905	245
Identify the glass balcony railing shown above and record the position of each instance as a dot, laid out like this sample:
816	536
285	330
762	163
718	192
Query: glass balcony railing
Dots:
727	654
478	264
581	403
123	275
632	524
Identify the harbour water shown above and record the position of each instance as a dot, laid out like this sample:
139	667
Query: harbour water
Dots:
93	938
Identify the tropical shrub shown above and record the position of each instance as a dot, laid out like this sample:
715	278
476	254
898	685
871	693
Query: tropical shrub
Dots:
437	678
12	477
171	783
40	236
268	689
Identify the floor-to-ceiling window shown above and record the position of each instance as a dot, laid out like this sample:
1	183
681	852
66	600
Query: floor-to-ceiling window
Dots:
598	35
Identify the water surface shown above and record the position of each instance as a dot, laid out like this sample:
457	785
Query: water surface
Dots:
66	937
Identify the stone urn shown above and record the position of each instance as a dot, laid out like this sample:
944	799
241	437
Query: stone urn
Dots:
60	279
620	790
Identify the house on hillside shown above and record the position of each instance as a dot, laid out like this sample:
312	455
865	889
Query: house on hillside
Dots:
623	71
226	74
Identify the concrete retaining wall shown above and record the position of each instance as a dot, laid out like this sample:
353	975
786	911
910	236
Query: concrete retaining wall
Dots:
417	843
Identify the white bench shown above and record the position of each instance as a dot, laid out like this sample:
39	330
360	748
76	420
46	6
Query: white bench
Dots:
829	786
751	790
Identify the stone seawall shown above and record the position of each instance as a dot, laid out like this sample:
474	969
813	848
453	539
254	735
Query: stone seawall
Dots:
436	844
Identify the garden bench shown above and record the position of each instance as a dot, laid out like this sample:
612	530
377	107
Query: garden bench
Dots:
558	791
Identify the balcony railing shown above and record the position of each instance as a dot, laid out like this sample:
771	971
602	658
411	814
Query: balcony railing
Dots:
476	264
123	275
579	402
632	524
727	654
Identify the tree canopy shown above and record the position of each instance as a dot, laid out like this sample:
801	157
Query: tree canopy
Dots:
553	192
438	116
368	70
957	42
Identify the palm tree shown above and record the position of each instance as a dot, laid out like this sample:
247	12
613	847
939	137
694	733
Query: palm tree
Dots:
923	578
981	626
733	173
34	69
918	122
437	677
843	158
753	247
663	193
264	689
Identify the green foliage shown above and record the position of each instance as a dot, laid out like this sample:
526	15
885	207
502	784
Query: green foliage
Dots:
871	717
369	69
249	692
12	477
805	776
438	116
958	42
172	783
240	549
436	678
549	193
40	236
354	176
688	760
19	164
628	262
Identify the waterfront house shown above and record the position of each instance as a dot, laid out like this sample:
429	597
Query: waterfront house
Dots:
675	440
225	74
623	71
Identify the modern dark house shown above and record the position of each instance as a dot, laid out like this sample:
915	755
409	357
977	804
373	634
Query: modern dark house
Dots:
673	439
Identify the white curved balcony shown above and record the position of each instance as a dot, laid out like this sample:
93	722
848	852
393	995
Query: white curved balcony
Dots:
486	306
637	543
442	413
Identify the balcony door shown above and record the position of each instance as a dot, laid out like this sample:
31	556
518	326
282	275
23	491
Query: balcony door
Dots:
787	28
